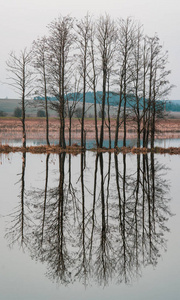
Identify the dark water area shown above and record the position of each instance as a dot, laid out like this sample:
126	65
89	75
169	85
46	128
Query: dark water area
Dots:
89	226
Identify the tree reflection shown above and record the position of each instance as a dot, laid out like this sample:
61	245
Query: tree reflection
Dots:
19	226
104	259
50	243
105	224
56	254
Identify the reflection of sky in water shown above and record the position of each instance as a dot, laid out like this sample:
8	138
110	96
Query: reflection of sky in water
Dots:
22	278
165	143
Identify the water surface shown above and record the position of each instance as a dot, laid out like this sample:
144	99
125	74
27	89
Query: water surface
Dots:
89	226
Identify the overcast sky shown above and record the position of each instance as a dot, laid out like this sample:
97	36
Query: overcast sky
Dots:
22	21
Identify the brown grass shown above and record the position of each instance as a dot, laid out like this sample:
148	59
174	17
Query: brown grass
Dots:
11	129
75	149
36	129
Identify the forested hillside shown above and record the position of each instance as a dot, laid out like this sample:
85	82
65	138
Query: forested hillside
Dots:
7	106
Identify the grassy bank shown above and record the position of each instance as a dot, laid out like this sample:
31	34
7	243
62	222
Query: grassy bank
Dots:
75	149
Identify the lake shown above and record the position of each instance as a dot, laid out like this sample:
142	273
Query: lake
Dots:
164	143
89	226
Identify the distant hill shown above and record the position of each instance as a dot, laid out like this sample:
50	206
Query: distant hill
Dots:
7	106
113	98
173	105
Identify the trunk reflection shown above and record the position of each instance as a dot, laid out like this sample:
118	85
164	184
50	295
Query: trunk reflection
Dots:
103	222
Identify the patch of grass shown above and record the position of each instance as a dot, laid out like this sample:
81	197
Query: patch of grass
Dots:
76	149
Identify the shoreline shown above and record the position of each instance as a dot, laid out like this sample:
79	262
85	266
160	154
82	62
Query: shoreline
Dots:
75	150
10	128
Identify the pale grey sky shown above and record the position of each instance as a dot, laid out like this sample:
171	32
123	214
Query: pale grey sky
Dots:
22	21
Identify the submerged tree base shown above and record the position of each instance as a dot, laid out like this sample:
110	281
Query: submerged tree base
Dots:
76	149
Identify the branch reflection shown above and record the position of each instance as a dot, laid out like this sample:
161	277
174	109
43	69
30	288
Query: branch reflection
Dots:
20	225
104	223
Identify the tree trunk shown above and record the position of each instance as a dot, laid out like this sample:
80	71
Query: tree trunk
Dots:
103	109
46	108
23	115
117	120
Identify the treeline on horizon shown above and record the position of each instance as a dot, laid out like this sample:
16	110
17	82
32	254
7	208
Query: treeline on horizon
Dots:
170	105
90	54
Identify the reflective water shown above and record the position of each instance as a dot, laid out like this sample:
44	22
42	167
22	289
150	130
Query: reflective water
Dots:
165	143
89	226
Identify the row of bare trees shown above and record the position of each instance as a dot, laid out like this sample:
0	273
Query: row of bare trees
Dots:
103	54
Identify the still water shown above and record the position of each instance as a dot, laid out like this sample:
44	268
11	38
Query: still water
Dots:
165	143
89	227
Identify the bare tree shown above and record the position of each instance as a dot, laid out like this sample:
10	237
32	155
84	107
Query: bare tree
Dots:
40	49
156	86
108	122
60	42
94	78
137	79
83	37
21	79
106	36
73	99
145	75
126	30
159	85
